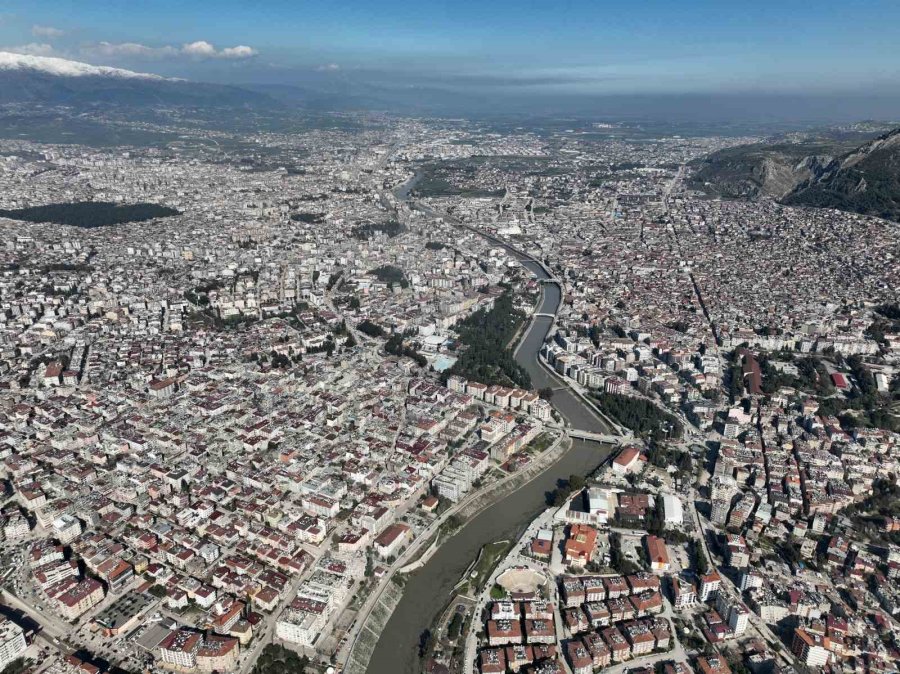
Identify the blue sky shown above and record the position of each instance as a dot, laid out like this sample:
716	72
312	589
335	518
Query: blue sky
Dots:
571	47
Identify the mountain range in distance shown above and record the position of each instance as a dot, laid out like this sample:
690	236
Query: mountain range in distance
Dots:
52	81
837	172
830	170
47	80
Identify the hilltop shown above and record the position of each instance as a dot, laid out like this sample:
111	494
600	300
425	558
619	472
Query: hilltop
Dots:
821	172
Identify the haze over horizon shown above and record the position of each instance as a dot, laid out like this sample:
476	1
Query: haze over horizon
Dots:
772	60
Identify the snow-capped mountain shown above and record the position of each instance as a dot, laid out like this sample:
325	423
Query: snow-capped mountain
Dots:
50	65
44	80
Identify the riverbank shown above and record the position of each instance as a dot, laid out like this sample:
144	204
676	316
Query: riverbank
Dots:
412	560
428	588
576	389
506	512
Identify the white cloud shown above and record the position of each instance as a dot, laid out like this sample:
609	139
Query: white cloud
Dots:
130	49
47	32
329	68
240	52
33	49
201	49
204	49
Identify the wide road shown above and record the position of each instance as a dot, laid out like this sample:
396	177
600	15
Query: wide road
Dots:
429	588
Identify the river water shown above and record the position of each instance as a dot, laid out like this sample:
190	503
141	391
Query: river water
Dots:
428	589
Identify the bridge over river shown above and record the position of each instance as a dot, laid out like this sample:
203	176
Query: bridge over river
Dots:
428	589
605	438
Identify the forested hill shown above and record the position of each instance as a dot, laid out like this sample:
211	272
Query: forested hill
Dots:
89	214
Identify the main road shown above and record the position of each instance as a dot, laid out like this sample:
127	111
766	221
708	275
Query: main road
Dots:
429	588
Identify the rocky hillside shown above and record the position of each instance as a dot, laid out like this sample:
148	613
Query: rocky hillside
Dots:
866	180
822	172
749	171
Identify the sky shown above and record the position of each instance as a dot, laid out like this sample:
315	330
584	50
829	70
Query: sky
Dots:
489	48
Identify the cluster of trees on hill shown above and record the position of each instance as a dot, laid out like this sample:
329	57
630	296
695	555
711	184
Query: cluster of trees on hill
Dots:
365	232
814	377
396	347
883	501
887	320
561	494
276	659
211	318
864	405
66	266
485	334
88	214
371	329
617	559
390	274
662	455
309	218
641	416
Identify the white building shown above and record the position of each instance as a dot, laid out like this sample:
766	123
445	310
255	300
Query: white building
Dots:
15	527
750	580
541	409
302	622
672	510
809	648
66	528
12	642
738	619
598	504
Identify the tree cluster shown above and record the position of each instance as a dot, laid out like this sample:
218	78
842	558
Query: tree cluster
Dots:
308	218
561	494
484	336
276	659
88	214
617	560
390	274
397	347
642	416
371	329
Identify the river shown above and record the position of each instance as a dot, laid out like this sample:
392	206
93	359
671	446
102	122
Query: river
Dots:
428	589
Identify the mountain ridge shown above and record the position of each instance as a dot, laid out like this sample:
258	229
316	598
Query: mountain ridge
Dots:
61	67
49	80
837	173
866	180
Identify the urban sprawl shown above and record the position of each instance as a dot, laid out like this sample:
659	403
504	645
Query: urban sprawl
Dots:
228	428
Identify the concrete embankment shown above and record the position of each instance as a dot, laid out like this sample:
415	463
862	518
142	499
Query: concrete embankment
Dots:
371	631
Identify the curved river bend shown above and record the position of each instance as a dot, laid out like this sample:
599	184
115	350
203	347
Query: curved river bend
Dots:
428	589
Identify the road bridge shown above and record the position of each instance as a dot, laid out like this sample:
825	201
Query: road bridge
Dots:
607	438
